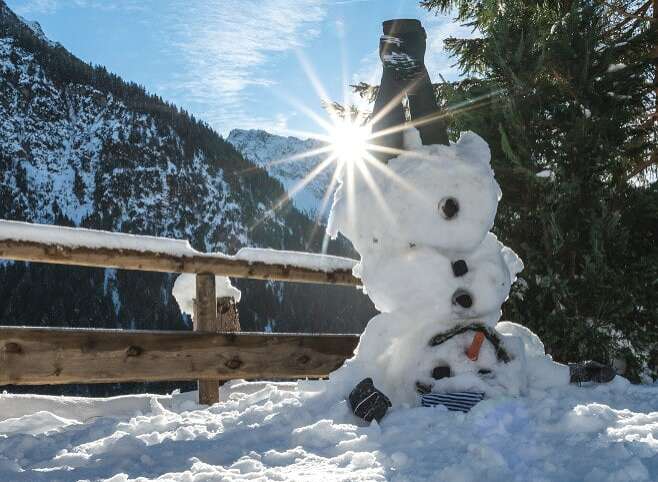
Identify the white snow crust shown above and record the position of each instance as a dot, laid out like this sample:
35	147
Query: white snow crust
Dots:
313	261
184	291
615	67
295	432
546	174
74	237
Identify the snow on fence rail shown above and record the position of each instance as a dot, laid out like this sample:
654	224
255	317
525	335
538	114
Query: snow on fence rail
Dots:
30	356
101	249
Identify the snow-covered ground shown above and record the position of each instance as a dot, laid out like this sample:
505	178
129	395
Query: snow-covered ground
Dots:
295	431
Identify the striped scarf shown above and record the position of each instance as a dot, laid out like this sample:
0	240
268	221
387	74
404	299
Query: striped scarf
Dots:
454	401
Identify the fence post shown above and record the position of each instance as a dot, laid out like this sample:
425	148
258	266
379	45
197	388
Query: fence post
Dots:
206	320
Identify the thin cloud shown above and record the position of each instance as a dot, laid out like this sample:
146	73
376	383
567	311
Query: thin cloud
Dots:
228	47
48	7
32	7
224	51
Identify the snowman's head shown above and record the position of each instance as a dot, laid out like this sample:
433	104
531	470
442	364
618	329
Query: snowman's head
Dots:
406	358
439	196
461	362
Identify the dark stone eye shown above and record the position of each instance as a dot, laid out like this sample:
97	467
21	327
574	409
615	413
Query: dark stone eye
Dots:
459	268
462	298
441	372
448	207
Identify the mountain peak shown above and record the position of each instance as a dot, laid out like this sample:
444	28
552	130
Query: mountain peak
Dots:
285	159
36	29
9	18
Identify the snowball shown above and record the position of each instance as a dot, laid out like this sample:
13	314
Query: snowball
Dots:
420	280
185	291
533	346
539	369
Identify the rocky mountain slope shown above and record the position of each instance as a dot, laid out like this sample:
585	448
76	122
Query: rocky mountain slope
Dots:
81	147
279	156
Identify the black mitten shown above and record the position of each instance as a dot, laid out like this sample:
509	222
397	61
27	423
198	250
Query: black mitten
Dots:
591	371
367	402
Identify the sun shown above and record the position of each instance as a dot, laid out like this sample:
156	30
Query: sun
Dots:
346	145
348	141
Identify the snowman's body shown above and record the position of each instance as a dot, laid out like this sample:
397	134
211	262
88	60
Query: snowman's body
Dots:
430	265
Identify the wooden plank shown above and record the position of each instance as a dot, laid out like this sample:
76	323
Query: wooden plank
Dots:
205	319
37	356
167	263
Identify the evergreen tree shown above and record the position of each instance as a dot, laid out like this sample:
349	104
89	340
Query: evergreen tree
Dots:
564	93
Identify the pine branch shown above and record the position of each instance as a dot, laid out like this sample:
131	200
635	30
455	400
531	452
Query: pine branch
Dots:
637	15
628	17
643	166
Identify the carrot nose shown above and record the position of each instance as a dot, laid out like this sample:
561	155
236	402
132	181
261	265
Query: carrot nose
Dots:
473	351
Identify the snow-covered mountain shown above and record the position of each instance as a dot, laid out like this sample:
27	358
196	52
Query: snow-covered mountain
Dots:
280	157
80	146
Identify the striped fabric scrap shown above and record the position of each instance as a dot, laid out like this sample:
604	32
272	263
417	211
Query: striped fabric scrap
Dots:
455	401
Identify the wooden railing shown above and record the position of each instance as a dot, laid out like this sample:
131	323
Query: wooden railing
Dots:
31	356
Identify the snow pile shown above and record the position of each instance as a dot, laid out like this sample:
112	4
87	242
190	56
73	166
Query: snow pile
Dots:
185	291
293	432
428	262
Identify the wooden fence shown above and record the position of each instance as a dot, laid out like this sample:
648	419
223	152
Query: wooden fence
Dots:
35	356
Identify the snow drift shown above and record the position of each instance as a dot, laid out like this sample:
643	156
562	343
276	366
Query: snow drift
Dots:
293	432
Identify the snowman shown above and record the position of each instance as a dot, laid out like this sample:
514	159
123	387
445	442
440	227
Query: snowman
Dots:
421	222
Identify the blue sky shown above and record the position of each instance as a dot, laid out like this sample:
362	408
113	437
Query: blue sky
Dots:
238	63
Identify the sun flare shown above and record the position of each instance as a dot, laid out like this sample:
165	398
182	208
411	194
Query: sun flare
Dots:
349	141
346	145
